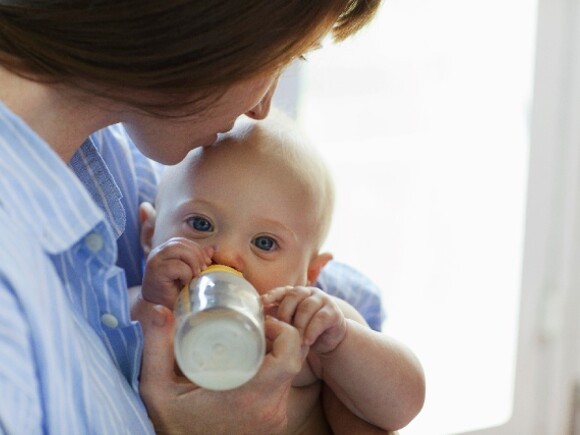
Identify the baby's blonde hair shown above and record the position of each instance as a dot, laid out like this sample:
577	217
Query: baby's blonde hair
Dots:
281	141
286	141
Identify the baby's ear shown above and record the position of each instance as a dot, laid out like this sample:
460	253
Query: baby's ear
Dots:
316	265
147	216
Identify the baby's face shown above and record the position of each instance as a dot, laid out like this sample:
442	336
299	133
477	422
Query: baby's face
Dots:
257	217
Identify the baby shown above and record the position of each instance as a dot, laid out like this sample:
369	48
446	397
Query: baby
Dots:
260	200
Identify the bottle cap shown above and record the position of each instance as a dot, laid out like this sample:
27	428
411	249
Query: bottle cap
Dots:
221	268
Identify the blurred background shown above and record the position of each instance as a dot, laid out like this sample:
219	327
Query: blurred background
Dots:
449	128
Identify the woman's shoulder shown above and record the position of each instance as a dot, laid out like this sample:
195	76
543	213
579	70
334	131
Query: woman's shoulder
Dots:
21	255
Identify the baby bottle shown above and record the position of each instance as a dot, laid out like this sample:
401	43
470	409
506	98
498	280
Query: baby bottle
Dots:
219	336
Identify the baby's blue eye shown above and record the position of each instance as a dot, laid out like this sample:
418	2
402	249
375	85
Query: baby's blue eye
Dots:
200	224
265	243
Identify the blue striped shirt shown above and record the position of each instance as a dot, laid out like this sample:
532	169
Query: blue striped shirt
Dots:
70	355
69	246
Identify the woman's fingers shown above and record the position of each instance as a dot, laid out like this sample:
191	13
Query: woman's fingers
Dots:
157	369
287	349
259	406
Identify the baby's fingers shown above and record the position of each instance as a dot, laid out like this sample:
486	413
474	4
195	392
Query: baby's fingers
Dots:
326	328
188	251
288	299
275	296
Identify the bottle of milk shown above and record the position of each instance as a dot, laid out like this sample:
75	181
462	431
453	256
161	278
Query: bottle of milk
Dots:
219	336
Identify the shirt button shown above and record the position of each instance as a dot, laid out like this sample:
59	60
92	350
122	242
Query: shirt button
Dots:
94	242
109	320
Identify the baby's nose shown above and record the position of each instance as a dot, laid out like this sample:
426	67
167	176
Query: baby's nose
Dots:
228	257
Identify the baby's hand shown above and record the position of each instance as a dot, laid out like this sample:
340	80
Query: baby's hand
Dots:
315	314
170	266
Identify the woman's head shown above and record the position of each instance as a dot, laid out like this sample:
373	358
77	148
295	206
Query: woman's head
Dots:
165	57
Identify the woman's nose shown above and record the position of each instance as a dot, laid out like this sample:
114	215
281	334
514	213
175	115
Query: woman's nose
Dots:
261	110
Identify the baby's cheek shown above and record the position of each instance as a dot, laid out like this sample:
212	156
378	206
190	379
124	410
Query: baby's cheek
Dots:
271	279
263	284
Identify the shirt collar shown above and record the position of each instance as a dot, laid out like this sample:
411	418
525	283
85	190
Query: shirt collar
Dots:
58	203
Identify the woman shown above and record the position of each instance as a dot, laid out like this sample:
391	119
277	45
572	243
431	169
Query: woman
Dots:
175	74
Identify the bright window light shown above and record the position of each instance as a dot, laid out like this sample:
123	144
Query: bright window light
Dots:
423	119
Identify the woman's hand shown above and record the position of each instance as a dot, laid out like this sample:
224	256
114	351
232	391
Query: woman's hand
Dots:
176	406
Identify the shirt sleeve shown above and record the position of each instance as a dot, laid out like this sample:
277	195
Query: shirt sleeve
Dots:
347	283
137	178
20	410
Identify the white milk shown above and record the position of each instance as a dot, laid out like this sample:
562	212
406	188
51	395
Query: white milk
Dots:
219	340
220	349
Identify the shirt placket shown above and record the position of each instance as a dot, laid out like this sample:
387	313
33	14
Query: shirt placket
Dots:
109	316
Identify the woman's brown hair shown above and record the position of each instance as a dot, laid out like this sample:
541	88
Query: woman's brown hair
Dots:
173	49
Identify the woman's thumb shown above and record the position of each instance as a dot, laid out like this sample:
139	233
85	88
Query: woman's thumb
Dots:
158	324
